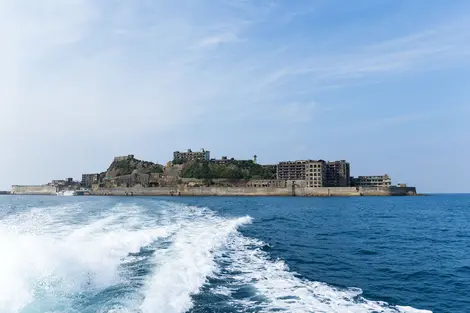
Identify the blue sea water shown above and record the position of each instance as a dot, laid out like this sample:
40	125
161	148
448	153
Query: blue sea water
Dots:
217	254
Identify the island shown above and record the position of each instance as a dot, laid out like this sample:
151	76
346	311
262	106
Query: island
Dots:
194	173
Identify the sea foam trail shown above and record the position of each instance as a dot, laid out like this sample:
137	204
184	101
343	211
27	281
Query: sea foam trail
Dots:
182	269
283	291
47	261
61	259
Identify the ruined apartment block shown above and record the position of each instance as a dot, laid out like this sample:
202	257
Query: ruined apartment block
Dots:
311	171
189	155
338	174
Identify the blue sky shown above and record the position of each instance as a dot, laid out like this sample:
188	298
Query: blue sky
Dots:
382	84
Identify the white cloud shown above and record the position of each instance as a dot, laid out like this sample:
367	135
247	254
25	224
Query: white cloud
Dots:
442	46
91	77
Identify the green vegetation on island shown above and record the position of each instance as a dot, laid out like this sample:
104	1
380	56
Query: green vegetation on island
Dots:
131	165
236	169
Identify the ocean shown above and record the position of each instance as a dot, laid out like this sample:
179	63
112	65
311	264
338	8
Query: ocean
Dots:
234	254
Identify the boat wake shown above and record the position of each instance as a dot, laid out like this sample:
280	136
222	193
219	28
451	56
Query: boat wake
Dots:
152	257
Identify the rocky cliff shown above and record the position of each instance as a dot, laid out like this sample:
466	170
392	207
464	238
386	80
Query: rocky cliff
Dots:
132	166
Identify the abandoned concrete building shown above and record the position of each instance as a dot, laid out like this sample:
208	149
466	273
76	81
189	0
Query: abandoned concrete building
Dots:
372	181
311	171
189	155
338	174
222	161
89	179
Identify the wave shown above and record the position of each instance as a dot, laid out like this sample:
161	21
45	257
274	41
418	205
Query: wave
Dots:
49	266
182	268
151	257
282	290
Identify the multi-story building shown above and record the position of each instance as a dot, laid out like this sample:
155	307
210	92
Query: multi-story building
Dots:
223	160
89	179
311	171
316	173
291	170
338	174
189	155
373	181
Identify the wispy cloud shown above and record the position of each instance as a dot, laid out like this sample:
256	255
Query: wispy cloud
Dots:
420	51
110	73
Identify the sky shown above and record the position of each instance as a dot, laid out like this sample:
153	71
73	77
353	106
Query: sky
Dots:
384	84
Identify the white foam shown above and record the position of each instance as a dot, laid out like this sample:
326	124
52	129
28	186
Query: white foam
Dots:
284	291
182	269
408	309
56	260
58	252
224	291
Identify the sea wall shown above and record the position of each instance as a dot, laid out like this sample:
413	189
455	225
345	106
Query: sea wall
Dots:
33	190
227	191
388	191
193	191
255	191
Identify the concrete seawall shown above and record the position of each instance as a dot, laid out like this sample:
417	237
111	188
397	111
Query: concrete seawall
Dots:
33	190
256	191
228	191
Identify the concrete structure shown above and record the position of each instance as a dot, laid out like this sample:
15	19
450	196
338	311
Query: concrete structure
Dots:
256	191
291	170
189	155
253	188
90	179
62	184
123	158
373	181
312	171
57	182
338	174
316	173
267	183
223	160
33	190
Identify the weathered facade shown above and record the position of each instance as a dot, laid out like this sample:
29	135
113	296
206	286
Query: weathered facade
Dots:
338	174
257	191
267	183
189	155
316	173
90	179
373	181
291	170
223	160
311	171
